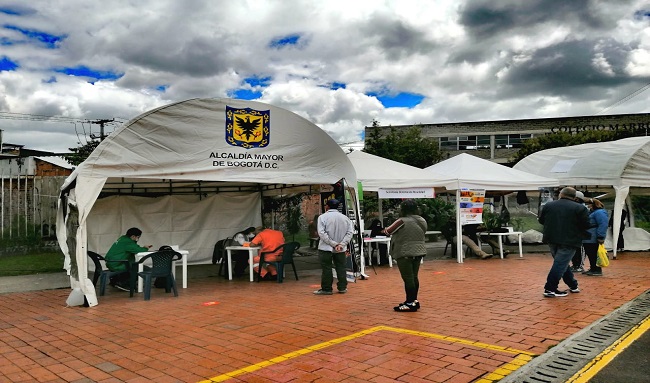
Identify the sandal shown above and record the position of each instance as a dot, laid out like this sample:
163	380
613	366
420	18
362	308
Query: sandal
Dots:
406	307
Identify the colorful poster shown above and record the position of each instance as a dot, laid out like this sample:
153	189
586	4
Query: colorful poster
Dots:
471	205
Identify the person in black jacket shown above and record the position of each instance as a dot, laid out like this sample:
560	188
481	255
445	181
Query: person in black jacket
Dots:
565	225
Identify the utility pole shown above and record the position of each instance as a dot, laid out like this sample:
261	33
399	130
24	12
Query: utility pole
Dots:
101	128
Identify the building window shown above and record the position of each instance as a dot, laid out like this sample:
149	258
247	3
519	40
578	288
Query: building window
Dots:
501	141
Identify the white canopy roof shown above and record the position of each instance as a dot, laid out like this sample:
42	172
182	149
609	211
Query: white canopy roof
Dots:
467	171
472	172
621	164
198	139
199	146
376	172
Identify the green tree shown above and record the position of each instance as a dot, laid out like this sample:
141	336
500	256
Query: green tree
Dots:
80	153
405	146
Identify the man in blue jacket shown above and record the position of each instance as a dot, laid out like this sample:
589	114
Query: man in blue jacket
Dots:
565	223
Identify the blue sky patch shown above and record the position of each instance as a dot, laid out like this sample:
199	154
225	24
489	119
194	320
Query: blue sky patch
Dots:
258	81
161	88
9	11
245	94
400	100
334	85
50	41
84	71
7	65
289	40
641	14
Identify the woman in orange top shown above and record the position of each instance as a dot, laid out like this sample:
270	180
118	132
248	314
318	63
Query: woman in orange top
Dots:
270	240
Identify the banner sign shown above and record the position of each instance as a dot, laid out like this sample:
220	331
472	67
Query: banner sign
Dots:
407	193
471	205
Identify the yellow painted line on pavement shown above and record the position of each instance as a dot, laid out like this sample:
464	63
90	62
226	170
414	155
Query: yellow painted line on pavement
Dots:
521	358
603	359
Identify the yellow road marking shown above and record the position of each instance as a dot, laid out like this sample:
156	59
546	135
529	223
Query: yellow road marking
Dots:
521	358
603	359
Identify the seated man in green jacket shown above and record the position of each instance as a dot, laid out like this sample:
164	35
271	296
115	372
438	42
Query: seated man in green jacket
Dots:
124	249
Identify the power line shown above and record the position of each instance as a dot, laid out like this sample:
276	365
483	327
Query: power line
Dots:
36	117
39	117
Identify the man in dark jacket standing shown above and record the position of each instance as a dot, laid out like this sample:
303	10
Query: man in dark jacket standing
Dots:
565	223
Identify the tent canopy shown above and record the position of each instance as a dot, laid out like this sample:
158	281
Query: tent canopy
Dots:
624	162
471	172
467	171
621	164
376	173
187	155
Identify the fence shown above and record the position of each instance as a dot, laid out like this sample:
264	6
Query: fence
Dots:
29	203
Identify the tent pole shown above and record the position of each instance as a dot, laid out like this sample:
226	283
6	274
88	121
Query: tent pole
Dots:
622	193
459	230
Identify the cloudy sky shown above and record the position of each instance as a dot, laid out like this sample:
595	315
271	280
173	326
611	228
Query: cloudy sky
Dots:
340	64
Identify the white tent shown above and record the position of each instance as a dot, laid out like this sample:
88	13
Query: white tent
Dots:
621	164
190	173
376	173
467	171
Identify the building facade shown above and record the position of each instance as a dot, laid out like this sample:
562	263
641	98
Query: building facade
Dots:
499	141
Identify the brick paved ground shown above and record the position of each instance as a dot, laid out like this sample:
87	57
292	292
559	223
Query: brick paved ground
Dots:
479	320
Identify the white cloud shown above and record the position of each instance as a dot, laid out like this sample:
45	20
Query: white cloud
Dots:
471	60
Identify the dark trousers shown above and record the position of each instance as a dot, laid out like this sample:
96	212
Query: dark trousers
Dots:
592	253
562	255
240	259
122	279
577	259
327	259
408	269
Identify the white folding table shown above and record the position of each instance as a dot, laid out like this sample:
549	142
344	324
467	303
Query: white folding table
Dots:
252	251
501	235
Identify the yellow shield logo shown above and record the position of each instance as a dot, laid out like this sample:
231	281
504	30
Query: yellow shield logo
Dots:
248	128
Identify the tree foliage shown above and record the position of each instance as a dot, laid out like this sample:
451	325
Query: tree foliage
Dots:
405	146
80	153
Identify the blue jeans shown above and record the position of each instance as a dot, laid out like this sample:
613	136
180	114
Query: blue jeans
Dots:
562	255
408	269
326	280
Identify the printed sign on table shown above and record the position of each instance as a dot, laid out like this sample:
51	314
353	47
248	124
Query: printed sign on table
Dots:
471	205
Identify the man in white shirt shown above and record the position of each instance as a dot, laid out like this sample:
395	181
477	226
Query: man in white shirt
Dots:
335	231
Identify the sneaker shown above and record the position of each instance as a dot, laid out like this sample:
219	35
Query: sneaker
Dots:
556	293
406	306
322	292
122	287
594	273
578	269
343	291
575	291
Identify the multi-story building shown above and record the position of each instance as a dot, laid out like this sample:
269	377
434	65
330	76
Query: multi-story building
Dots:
498	141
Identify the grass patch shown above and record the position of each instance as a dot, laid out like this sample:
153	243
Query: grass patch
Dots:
40	263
